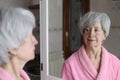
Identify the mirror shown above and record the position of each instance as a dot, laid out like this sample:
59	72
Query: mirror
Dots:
54	36
55	26
59	37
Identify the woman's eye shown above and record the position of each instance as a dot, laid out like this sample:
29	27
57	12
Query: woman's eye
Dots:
86	30
96	30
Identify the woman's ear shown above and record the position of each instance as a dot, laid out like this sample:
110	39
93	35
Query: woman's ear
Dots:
12	51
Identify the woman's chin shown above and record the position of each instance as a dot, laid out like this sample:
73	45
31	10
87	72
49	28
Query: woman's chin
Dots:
90	45
32	57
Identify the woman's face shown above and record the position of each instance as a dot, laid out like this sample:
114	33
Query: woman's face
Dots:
26	51
93	35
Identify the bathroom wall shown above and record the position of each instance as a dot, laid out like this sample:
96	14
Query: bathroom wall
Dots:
113	41
55	25
55	37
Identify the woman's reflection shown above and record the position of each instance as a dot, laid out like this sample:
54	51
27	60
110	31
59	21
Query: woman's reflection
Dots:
92	61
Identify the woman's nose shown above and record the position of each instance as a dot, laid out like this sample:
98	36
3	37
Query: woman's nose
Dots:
92	32
35	40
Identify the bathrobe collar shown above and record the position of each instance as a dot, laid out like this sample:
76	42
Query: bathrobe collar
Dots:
4	75
90	69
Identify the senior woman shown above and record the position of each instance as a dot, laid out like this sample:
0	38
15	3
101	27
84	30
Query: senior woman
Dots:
17	43
92	61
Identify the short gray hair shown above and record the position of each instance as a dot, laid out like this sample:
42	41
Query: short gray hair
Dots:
94	17
15	25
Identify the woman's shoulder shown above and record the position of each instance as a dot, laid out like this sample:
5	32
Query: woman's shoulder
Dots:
114	62
73	58
4	75
113	58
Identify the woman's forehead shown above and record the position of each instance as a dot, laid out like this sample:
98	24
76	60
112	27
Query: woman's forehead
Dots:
95	25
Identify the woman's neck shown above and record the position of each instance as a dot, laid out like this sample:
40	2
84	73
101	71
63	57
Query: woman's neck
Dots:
14	66
93	52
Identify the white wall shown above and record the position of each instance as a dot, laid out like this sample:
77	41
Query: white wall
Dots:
113	41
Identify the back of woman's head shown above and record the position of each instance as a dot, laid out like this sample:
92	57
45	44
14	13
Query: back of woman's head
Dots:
15	25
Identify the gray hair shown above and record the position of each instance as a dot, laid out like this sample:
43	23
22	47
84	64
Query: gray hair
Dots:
15	25
94	17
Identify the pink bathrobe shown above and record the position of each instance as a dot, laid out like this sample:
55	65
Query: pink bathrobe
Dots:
79	67
6	76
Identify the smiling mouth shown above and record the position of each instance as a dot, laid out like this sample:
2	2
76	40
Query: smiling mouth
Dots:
91	40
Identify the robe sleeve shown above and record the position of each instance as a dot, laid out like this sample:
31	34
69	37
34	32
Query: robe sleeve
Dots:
66	72
116	67
118	73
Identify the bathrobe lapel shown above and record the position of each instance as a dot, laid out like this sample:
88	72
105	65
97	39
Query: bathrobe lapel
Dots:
103	73
89	69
